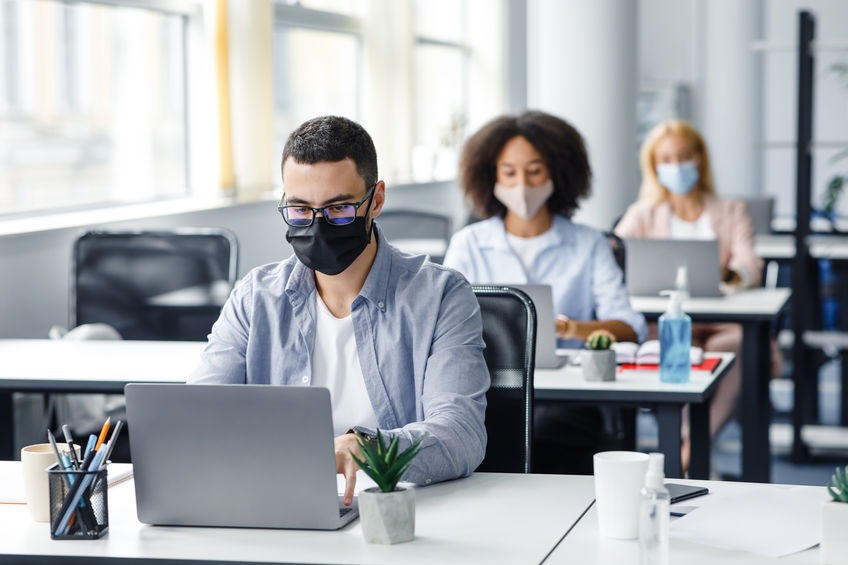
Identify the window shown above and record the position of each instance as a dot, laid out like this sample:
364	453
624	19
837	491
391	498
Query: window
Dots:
408	70
441	98
92	108
317	61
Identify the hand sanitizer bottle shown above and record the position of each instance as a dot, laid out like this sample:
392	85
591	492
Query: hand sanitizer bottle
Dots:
654	515
675	329
681	282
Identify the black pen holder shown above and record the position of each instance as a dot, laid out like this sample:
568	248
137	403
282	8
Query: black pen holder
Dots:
79	505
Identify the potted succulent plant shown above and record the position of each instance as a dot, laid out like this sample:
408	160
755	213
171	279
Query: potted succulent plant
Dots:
834	541
598	359
387	513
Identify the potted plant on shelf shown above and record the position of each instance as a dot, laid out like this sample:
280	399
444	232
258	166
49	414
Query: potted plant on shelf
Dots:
386	511
598	359
834	540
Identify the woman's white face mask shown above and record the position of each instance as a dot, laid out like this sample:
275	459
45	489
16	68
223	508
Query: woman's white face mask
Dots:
525	201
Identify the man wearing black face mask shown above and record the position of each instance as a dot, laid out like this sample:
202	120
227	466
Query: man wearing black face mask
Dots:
396	338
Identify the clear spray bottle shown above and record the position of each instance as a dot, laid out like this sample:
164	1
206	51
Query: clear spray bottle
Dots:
654	515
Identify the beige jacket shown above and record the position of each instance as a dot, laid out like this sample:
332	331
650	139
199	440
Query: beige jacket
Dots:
730	222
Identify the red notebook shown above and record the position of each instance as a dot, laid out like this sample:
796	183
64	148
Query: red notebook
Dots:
706	365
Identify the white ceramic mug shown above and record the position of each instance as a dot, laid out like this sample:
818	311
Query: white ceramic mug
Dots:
619	478
35	460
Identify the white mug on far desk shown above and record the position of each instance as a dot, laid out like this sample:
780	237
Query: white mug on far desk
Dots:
35	460
619	477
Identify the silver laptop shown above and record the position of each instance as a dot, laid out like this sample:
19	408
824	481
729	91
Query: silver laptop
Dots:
254	456
546	340
652	266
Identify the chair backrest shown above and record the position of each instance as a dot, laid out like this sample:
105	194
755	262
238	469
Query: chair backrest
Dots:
417	231
618	250
509	331
155	285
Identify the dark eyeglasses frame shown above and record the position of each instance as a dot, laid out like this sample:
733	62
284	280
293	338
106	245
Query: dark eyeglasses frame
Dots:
281	208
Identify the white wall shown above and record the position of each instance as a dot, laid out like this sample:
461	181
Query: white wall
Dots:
34	279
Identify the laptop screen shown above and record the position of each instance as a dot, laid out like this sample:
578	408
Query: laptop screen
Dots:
233	455
652	264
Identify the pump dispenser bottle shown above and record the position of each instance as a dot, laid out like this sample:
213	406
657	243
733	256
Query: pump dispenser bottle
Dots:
675	328
654	515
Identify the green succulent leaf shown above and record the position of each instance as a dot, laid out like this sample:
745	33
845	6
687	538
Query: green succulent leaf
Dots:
386	464
838	487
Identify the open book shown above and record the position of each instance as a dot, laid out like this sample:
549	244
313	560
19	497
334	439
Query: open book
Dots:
648	353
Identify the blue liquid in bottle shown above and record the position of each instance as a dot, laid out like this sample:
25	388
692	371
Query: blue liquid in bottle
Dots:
675	329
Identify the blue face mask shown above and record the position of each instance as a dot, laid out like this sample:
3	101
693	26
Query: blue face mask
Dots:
679	178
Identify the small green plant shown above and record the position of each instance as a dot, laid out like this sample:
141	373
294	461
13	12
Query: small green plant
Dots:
838	487
599	340
383	463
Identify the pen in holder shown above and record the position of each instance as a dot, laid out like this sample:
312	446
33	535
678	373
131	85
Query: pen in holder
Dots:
79	507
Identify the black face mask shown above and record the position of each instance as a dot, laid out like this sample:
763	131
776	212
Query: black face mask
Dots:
327	248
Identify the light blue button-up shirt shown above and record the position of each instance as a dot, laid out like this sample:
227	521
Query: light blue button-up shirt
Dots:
575	260
419	339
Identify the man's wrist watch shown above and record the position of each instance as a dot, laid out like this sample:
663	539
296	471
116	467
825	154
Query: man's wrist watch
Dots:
368	438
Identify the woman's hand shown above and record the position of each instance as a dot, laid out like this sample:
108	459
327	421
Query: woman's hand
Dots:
565	327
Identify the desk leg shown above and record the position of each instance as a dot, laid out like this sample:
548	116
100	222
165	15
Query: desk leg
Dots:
755	405
668	426
7	421
699	440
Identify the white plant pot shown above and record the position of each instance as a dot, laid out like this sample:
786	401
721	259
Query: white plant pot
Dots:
834	530
387	517
598	364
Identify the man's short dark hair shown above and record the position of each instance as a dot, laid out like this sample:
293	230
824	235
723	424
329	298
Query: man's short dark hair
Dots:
333	139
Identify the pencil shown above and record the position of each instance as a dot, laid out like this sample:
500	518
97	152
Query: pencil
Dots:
104	431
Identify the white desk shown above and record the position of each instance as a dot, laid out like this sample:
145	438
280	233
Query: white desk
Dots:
755	310
783	246
44	365
584	545
486	518
55	366
643	388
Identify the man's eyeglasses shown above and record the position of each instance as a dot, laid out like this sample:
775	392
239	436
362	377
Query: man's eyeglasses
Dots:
335	214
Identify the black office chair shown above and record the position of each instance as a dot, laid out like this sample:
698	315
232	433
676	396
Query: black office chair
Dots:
156	285
618	250
417	231
620	423
509	331
148	285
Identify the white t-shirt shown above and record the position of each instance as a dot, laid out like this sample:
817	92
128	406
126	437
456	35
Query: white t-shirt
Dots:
699	229
528	248
335	365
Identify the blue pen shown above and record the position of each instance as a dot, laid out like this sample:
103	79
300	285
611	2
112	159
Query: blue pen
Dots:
92	441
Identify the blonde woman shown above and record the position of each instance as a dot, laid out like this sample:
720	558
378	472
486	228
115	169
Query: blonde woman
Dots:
678	201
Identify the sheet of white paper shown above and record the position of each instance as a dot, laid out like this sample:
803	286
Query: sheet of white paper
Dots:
12	487
772	522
